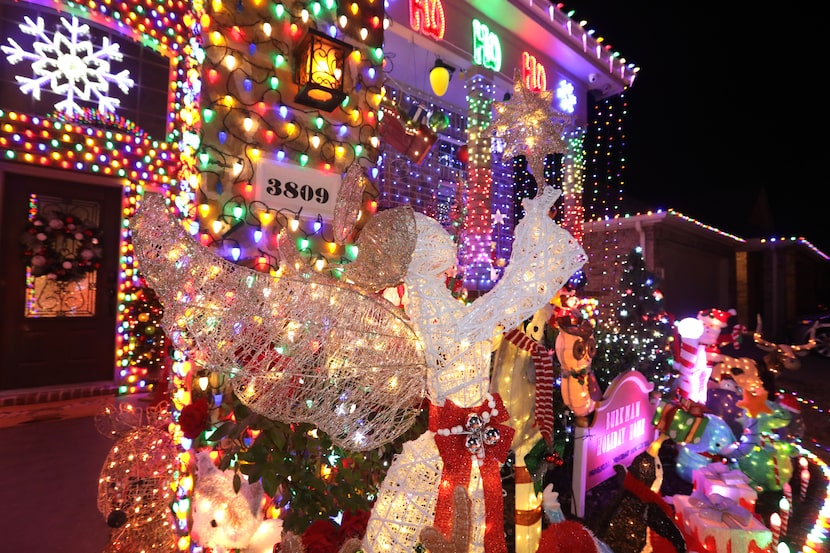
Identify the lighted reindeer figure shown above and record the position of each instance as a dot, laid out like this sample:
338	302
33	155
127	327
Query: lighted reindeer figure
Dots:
781	356
760	364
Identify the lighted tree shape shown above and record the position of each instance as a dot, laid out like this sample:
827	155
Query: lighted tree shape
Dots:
640	336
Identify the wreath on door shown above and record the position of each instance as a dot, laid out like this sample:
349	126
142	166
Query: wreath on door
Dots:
61	247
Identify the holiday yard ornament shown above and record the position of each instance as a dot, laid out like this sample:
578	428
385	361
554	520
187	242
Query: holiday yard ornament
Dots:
714	322
640	520
693	380
306	346
347	205
714	446
226	520
135	486
762	454
528	125
619	431
723	402
575	348
736	374
458	540
780	356
713	524
297	346
66	63
523	377
681	420
565	536
726	481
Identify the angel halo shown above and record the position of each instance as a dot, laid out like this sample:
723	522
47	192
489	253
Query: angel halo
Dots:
309	348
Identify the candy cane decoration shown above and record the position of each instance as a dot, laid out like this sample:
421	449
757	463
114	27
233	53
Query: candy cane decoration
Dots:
691	361
528	510
775	470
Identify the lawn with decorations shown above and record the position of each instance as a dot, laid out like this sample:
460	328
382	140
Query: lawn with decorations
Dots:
700	457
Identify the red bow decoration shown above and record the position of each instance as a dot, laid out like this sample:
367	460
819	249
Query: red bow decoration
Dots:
462	435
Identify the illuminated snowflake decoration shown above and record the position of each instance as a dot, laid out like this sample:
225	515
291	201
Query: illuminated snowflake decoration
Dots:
69	65
566	97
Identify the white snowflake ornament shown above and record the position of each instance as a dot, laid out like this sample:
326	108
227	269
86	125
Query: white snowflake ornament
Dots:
68	65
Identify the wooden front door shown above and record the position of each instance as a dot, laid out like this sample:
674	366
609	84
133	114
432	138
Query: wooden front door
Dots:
53	331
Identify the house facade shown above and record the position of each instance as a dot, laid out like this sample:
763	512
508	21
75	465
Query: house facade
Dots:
700	267
211	104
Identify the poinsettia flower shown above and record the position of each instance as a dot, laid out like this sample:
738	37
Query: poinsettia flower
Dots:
194	418
321	537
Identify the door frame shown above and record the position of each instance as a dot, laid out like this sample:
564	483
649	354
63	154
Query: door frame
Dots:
80	178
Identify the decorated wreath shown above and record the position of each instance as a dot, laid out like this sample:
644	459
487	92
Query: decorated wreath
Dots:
61	247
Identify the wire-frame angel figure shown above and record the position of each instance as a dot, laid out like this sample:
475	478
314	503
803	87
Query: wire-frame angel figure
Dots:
305	347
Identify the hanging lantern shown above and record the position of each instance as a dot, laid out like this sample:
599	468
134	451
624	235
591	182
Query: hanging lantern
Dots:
439	77
319	72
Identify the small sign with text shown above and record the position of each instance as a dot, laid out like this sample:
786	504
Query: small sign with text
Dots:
309	192
620	430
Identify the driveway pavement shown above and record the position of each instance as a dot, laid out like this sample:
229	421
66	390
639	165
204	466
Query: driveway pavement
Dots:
51	456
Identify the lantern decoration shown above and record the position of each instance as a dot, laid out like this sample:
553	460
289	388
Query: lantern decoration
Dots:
439	77
319	70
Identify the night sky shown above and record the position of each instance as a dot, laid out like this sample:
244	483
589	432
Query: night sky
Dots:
725	115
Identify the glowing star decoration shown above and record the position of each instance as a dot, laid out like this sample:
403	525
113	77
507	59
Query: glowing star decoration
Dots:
498	217
70	66
755	402
566	97
528	124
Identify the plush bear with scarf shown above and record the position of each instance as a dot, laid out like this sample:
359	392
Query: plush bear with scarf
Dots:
640	520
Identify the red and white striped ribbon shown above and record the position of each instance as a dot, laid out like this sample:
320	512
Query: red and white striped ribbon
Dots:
543	367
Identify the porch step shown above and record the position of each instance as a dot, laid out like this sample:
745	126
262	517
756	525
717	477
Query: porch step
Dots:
54	403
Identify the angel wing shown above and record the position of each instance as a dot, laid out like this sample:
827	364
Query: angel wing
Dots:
297	348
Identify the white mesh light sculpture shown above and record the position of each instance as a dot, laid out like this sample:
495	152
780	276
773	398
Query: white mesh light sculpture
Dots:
311	349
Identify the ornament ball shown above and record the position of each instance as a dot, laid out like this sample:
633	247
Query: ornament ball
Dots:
463	154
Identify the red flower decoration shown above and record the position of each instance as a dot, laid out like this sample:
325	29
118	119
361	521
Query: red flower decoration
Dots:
353	525
321	537
194	418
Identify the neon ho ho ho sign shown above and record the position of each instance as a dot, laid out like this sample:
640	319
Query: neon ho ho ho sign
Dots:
486	46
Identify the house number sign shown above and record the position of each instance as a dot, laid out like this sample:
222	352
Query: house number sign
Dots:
287	186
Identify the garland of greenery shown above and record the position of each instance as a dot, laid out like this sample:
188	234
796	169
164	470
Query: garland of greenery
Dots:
61	247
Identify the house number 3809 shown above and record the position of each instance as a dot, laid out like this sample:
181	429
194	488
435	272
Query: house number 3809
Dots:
292	190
